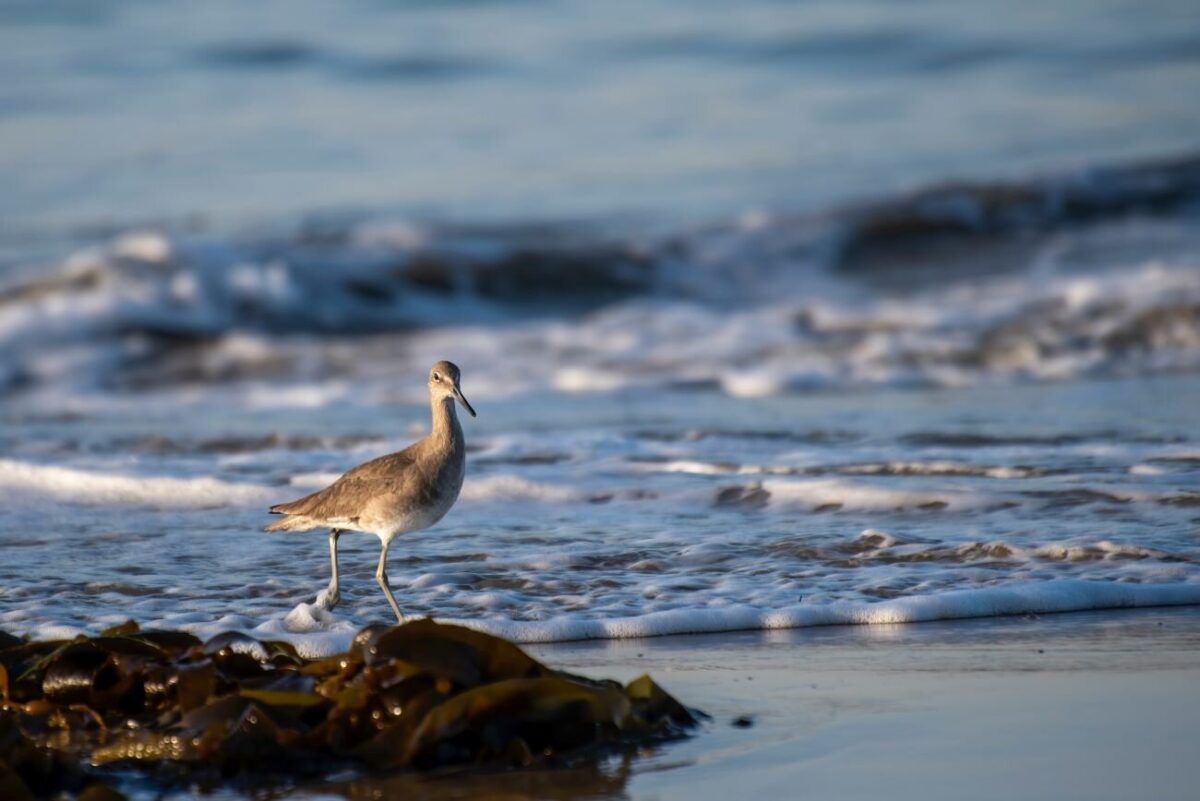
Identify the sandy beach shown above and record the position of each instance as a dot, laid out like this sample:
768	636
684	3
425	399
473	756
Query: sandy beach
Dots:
1092	705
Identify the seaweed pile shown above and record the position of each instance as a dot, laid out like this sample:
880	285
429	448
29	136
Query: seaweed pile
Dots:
418	696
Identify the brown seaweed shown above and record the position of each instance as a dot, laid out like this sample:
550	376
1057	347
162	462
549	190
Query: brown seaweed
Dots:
414	697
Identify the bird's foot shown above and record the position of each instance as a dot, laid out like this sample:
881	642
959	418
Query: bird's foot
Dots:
329	598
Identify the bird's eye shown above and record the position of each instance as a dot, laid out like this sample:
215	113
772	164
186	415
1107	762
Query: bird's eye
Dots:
437	377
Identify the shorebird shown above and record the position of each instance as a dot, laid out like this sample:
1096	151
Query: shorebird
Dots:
395	494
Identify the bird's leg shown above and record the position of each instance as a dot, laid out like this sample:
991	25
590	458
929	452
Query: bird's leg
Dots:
381	577
332	597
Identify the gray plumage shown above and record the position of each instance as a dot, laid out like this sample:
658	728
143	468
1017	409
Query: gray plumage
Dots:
394	494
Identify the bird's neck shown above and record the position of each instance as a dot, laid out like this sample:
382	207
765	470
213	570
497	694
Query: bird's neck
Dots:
446	430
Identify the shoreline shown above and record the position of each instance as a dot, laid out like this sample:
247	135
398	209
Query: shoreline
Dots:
331	635
1056	597
1016	600
1087	705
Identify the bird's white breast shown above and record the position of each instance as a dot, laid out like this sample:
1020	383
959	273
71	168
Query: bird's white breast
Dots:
425	516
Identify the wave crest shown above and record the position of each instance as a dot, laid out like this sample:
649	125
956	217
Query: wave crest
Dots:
1091	273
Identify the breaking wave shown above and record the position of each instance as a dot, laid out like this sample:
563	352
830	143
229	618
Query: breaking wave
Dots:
1042	598
318	633
24	484
1095	272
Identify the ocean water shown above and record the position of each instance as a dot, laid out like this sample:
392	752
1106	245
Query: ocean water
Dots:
627	513
835	313
226	114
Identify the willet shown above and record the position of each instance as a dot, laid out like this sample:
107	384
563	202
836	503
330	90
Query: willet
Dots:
394	494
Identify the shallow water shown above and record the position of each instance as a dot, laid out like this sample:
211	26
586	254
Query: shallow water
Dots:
621	514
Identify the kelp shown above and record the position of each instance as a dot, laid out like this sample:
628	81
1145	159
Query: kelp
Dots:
413	697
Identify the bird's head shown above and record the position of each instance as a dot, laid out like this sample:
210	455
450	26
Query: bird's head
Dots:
444	384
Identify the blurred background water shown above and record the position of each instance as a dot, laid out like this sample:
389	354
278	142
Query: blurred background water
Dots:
692	258
119	112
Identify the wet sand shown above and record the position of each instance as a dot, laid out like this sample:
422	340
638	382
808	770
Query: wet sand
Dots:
1090	706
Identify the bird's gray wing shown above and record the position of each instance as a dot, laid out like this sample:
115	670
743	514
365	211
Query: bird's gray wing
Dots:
344	499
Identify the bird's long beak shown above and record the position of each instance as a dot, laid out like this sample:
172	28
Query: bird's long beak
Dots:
458	394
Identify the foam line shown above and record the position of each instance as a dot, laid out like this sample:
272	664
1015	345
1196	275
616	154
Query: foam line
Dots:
1040	598
23	481
317	633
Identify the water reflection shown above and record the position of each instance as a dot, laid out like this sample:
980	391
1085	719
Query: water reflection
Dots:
607	779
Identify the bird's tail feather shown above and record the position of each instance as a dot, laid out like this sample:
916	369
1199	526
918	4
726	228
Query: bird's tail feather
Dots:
291	523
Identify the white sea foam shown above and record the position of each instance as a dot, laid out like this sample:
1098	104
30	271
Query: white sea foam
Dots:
581	379
313	480
700	468
1041	598
516	488
1104	549
22	482
915	468
313	629
817	493
51	631
297	396
877	539
147	246
317	633
108	316
937	468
